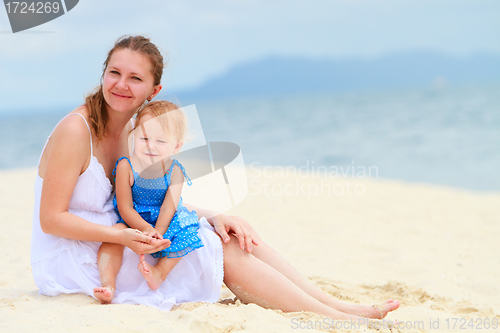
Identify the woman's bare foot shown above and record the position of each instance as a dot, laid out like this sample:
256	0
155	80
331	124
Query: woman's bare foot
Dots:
104	294
151	274
376	311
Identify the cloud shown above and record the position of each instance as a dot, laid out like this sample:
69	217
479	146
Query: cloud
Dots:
204	39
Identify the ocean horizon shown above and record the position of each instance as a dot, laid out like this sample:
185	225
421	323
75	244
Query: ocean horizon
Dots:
444	136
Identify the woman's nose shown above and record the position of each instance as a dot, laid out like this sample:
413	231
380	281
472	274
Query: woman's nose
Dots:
122	84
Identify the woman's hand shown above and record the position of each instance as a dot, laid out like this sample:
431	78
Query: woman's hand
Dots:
152	232
142	244
224	224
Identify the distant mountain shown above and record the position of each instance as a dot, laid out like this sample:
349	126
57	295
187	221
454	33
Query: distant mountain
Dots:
274	75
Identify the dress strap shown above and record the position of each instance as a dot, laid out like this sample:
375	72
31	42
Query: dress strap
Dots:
88	127
132	121
169	172
90	132
116	164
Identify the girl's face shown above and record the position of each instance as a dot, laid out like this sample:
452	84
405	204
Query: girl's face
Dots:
128	81
152	142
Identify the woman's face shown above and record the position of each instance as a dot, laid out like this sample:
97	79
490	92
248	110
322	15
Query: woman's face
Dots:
128	81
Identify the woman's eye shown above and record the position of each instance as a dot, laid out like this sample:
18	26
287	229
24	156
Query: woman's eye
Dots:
136	78
145	139
114	72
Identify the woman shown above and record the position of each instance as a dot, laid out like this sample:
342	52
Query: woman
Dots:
73	214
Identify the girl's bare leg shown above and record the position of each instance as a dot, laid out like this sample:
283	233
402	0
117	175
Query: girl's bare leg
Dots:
254	281
155	275
109	261
265	253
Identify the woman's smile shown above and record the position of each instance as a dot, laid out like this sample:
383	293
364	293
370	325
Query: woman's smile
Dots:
120	95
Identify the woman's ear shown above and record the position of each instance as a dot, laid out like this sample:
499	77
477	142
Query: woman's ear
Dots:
155	92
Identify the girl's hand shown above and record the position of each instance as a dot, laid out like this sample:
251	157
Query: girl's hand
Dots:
142	244
224	224
152	232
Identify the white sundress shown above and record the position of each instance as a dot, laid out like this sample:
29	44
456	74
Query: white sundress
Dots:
65	266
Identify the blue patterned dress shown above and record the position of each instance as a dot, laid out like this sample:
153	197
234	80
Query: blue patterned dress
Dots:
148	196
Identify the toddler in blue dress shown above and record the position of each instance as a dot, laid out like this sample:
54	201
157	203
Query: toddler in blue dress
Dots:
148	196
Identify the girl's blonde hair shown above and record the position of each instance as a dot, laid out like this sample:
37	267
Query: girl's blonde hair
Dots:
95	102
171	117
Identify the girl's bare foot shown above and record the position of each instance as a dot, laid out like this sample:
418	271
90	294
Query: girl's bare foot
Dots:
151	274
376	311
104	294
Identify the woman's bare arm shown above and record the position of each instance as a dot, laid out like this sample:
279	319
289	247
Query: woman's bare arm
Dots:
68	153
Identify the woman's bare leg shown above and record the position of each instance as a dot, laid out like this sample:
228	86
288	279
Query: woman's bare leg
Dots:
254	281
265	253
109	261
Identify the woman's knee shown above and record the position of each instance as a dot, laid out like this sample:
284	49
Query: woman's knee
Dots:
236	260
232	251
246	225
251	230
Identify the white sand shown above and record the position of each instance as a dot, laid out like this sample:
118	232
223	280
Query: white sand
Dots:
433	248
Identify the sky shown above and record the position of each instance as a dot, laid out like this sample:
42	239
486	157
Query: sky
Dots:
56	63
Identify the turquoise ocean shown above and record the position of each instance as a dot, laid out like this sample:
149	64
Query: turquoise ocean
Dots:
448	136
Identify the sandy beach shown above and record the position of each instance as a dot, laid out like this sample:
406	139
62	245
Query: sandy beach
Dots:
362	240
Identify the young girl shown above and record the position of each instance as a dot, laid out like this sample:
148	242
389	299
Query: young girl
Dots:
148	194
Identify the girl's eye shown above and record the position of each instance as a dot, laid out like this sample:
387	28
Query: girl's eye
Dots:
161	141
114	72
136	78
145	139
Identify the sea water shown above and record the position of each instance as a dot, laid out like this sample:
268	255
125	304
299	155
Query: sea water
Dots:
448	136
